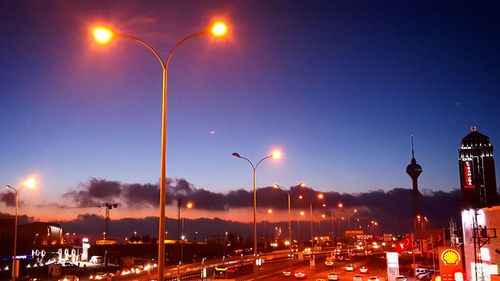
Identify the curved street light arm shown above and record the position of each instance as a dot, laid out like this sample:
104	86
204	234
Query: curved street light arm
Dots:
169	57
280	187
249	162
11	187
146	45
267	157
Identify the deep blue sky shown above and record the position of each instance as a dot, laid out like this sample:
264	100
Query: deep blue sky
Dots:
339	86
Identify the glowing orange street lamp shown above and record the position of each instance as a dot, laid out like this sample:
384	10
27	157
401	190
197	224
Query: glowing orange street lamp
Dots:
29	183
274	155
104	35
219	29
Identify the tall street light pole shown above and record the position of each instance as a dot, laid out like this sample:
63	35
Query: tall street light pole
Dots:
103	36
274	155
31	184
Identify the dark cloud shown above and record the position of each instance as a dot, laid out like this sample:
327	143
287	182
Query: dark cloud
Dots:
8	198
95	192
393	208
22	218
137	195
94	225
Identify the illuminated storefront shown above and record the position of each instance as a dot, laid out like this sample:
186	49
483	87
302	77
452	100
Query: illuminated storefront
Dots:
481	256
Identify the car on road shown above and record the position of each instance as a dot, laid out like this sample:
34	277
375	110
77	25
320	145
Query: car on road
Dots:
101	276
363	269
333	276
69	278
349	268
287	272
300	275
400	278
329	261
373	278
357	277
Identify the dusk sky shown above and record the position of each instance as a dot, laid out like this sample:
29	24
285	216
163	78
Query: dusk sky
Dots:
338	86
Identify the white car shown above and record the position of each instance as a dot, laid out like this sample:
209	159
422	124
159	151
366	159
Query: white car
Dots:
287	272
373	278
357	278
349	268
400	278
69	278
300	275
333	276
363	269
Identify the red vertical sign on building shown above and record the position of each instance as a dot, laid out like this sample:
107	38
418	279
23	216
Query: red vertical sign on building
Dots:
468	179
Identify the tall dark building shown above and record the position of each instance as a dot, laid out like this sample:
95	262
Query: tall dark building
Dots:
477	171
414	170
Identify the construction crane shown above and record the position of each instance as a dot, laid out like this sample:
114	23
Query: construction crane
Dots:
108	207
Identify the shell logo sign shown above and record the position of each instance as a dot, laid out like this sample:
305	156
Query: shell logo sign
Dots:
450	257
450	262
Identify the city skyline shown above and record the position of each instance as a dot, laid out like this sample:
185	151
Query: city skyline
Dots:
339	90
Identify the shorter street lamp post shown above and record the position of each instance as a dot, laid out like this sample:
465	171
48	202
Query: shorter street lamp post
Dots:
302	214
31	184
320	196
182	237
288	191
274	155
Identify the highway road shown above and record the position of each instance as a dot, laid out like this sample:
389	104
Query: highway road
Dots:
375	264
272	270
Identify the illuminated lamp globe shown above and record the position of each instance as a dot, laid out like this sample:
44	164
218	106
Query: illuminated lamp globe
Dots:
30	183
219	29
276	154
102	35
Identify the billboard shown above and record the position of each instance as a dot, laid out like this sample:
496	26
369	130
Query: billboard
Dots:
468	174
392	265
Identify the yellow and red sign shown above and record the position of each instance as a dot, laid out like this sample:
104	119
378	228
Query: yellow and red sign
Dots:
450	262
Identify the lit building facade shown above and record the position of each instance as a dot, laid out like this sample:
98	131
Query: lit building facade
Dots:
480	212
477	171
481	244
